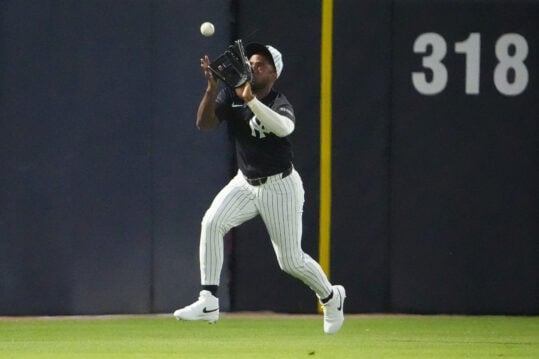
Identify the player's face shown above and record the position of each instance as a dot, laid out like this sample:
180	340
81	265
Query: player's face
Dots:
263	72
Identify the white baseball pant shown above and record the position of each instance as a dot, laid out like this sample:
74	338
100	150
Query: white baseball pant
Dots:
279	202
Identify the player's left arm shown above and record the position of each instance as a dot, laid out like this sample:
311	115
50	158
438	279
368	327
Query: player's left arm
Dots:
278	124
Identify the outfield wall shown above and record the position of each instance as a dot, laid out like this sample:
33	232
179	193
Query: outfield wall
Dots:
105	178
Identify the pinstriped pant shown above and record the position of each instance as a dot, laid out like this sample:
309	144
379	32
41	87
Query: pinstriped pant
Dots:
279	202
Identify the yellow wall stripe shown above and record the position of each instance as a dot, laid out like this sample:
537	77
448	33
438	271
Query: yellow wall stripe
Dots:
325	134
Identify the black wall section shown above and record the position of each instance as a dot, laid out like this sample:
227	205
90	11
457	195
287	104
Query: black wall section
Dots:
361	119
76	185
104	176
434	197
464	166
105	179
293	27
190	166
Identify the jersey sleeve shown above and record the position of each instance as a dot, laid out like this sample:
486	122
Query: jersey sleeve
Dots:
283	107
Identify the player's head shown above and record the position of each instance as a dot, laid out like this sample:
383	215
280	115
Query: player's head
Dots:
273	55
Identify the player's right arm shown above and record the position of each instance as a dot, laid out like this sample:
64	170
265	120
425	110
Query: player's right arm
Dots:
206	117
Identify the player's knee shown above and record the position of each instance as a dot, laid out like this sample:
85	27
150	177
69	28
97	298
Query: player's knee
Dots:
212	223
209	222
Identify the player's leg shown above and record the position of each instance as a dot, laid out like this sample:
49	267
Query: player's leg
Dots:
231	207
281	208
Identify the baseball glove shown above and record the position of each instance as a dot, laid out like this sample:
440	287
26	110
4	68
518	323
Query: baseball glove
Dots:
233	67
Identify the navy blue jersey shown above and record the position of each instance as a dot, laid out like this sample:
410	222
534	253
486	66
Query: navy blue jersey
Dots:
259	153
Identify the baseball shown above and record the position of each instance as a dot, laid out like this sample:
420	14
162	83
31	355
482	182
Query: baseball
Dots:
207	29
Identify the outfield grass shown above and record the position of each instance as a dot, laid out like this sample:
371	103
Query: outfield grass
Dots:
246	336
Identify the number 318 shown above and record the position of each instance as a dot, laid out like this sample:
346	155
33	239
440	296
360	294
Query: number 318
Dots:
511	51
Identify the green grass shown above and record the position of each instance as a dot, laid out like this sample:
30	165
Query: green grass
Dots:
236	336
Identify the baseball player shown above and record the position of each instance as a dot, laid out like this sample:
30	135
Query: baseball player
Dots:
266	184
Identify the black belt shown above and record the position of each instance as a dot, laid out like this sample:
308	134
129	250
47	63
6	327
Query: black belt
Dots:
262	180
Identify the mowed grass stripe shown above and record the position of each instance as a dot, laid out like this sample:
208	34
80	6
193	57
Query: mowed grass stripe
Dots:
272	337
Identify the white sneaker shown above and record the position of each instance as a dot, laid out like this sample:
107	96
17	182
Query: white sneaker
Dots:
205	308
334	310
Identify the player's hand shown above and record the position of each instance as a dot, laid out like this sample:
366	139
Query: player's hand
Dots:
245	92
205	66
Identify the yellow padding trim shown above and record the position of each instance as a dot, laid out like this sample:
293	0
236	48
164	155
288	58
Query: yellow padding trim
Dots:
325	134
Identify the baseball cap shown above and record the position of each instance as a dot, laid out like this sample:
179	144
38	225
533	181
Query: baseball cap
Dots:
269	51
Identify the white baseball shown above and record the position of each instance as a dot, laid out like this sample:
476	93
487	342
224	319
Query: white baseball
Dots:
207	29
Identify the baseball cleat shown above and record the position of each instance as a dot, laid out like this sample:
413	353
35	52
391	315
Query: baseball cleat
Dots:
334	310
205	308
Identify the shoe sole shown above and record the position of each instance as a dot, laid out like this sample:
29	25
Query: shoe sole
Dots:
209	320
